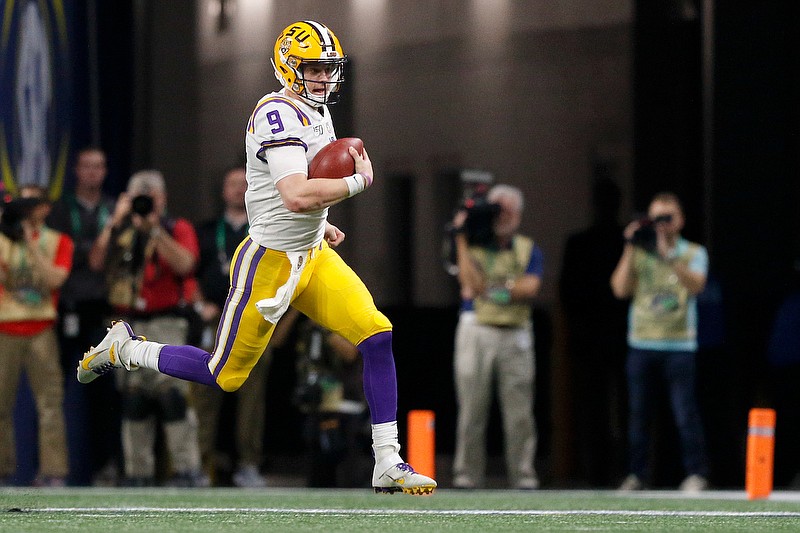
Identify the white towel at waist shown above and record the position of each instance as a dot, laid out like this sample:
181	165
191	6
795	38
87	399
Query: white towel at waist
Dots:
272	309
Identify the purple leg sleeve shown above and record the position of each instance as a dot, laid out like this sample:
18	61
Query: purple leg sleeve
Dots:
186	362
380	380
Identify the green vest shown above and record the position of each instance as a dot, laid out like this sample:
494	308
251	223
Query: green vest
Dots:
500	267
660	304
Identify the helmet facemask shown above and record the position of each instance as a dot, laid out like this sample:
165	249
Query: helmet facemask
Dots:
334	68
308	56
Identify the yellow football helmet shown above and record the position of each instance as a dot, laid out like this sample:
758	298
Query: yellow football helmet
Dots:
308	43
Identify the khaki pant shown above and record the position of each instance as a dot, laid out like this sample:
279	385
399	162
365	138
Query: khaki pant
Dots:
485	355
38	356
250	412
139	436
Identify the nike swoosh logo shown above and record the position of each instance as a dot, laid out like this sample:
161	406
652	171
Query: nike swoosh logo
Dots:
88	359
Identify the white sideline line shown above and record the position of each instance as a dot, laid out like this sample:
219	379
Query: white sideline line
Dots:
390	512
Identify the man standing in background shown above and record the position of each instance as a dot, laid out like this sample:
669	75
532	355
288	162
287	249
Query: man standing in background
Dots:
218	240
83	307
34	263
499	274
663	273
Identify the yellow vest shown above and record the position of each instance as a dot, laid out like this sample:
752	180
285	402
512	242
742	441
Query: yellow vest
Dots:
23	296
660	305
500	267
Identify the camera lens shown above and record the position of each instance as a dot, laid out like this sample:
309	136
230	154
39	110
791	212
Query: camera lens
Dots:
142	204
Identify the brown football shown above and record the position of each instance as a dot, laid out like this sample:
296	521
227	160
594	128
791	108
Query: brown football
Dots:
334	160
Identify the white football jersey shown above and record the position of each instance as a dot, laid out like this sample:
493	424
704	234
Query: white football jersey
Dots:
286	125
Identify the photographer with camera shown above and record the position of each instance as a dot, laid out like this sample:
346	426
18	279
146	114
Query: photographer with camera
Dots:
34	263
499	275
149	260
662	273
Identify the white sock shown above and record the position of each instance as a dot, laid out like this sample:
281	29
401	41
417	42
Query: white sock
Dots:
144	353
384	441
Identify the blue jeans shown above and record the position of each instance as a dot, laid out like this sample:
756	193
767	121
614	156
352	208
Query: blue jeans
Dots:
646	370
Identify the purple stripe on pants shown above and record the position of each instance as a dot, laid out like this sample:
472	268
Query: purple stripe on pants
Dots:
243	302
236	267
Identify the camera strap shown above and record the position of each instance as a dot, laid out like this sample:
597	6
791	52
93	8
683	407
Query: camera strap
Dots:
28	285
75	216
222	241
22	262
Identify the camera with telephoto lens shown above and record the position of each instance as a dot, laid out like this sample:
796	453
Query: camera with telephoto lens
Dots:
645	236
479	225
142	204
14	212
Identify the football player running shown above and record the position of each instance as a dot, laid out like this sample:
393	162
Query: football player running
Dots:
288	257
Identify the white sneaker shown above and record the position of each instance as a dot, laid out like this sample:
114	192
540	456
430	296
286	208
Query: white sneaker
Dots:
631	483
528	483
463	482
401	477
694	484
248	476
108	354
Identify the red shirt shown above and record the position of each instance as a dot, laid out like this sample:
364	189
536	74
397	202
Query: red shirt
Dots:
162	288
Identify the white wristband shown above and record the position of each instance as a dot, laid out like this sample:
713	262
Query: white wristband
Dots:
355	184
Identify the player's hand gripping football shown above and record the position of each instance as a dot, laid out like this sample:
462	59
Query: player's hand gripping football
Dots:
363	165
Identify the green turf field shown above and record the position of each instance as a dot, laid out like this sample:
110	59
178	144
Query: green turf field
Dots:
234	510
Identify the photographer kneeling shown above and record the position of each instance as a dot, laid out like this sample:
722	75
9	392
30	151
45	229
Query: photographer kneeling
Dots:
498	277
662	273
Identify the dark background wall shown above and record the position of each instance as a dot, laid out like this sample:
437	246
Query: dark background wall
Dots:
755	228
741	193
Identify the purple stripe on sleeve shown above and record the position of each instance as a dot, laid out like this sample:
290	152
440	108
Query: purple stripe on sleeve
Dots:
302	117
291	141
251	122
304	120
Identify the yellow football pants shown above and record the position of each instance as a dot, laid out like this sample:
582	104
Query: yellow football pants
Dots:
329	292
